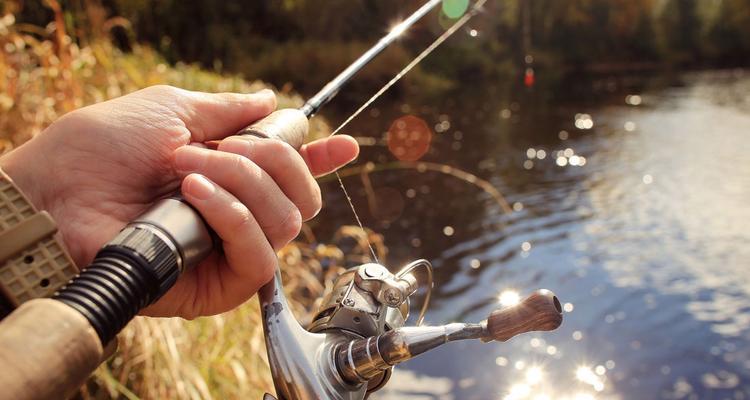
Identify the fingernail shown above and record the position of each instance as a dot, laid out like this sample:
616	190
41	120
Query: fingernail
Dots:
267	93
188	158
200	187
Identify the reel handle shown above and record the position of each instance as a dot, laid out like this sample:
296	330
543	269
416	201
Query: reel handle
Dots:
541	311
362	359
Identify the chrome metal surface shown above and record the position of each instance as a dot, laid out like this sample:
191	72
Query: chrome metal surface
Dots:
302	363
362	359
184	226
357	303
387	288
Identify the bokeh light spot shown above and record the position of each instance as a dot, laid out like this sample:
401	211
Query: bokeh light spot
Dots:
409	138
455	8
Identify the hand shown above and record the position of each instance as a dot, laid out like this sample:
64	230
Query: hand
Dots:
97	168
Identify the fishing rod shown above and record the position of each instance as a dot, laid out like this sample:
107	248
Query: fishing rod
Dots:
332	88
347	352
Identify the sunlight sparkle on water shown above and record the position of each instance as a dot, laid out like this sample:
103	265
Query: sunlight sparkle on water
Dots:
586	375
505	113
584	121
509	298
519	391
633	99
534	375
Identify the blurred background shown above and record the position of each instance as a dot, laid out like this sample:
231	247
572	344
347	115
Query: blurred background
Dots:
597	148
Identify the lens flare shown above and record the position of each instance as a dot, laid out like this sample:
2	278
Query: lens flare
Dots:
409	138
455	8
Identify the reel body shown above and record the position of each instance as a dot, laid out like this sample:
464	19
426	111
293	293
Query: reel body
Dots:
365	301
359	332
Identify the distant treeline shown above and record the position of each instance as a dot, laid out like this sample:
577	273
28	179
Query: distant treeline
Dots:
307	41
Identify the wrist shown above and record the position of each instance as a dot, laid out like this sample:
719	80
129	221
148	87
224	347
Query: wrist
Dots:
20	169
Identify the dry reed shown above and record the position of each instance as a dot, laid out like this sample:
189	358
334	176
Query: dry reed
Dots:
45	73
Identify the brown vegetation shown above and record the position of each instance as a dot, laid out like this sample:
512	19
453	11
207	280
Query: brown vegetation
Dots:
47	73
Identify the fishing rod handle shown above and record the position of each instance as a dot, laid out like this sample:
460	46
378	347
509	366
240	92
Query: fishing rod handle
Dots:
147	257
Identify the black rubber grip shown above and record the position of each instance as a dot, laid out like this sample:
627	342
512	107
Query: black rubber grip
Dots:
128	274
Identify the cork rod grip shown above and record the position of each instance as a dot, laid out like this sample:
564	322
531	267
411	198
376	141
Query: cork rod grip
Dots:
47	351
288	125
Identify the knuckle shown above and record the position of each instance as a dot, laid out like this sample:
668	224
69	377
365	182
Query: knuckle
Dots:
267	266
243	220
242	167
314	202
162	90
278	147
286	229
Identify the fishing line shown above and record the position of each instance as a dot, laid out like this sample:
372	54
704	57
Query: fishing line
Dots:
475	9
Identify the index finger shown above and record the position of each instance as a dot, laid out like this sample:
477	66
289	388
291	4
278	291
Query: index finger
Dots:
324	156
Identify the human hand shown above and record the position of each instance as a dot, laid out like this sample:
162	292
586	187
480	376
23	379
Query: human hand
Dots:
97	168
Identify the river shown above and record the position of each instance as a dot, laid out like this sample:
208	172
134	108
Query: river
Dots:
629	200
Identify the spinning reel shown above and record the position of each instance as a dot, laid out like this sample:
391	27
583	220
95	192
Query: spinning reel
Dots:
358	335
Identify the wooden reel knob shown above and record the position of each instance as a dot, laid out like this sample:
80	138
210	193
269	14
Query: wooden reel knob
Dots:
541	311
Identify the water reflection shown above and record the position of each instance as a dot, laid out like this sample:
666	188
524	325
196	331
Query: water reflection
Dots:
641	233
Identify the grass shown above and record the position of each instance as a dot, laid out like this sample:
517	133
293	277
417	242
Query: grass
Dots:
47	73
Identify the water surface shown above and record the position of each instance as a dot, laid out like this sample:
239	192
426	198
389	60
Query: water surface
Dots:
647	243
